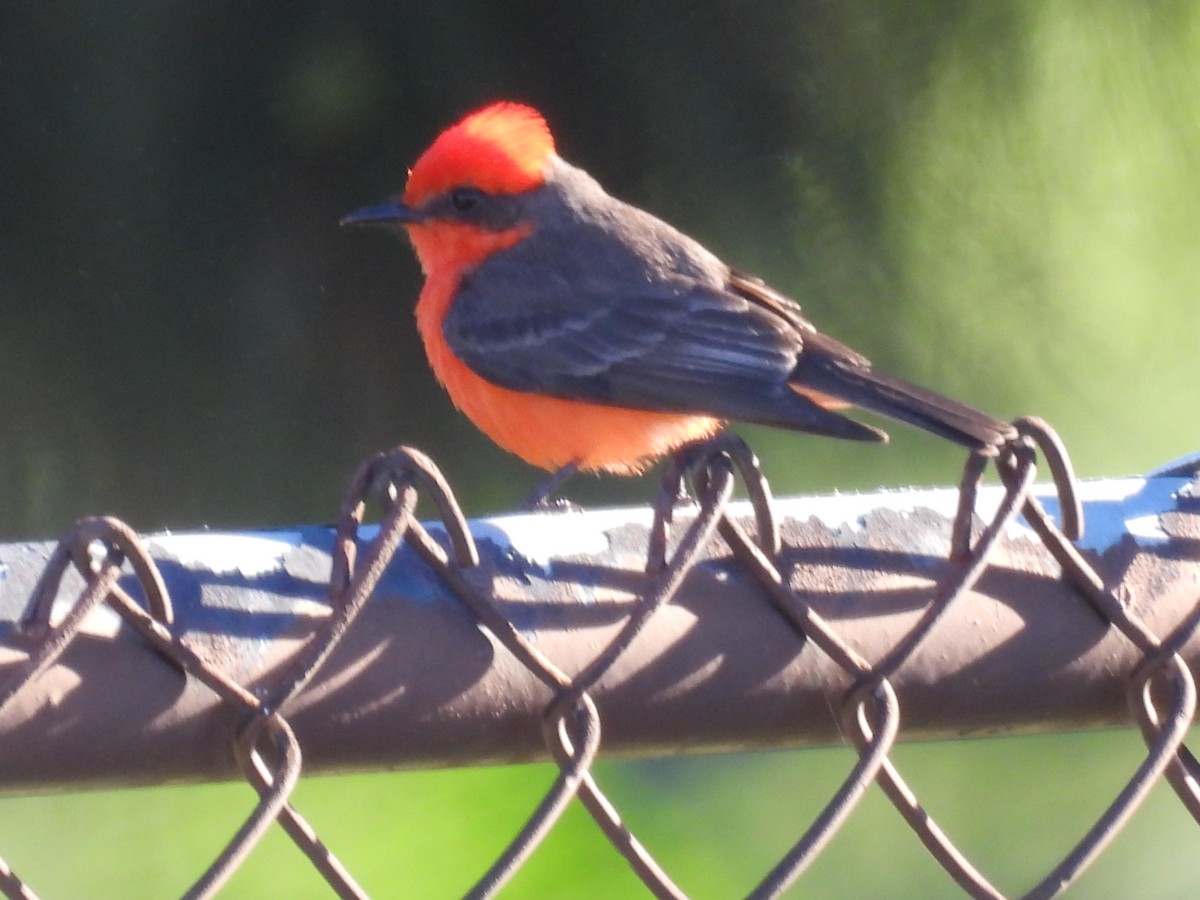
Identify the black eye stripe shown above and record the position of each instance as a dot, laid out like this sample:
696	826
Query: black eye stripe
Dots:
465	199
470	205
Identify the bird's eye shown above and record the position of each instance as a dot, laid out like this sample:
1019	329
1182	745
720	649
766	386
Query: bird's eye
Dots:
465	199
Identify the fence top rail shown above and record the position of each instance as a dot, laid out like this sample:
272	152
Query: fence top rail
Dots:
418	682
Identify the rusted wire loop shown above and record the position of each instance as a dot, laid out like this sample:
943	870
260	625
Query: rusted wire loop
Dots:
869	712
670	493
104	588
732	447
1166	738
570	728
873	743
870	708
571	724
101	585
36	619
262	777
383	476
398	466
1017	452
578	745
1076	570
277	781
50	642
697	462
711	496
1062	473
1184	772
351	584
960	581
267	752
968	492
866	730
119	542
344	567
667	579
1161	673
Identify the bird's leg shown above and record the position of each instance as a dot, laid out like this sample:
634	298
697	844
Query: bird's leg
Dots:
541	499
693	457
688	460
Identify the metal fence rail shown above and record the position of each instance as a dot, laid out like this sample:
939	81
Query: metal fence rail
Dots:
694	626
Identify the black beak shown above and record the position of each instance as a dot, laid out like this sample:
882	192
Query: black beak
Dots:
391	213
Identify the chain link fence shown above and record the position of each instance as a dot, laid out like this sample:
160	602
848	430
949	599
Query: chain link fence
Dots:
812	593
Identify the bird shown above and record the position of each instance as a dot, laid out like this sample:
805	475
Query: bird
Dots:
584	334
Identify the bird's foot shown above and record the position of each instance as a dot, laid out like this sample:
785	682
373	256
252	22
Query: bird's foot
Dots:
543	499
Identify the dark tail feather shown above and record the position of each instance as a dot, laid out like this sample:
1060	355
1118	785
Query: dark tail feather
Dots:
825	367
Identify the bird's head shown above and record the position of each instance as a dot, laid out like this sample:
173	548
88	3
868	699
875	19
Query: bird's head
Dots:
462	200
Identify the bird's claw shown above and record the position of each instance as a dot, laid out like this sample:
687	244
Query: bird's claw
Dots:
543	499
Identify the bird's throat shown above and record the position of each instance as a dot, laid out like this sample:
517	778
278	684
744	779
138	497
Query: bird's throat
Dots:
451	249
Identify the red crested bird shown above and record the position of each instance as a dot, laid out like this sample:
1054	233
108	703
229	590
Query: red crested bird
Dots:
582	333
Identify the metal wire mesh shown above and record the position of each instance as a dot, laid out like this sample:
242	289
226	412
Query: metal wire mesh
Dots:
1160	687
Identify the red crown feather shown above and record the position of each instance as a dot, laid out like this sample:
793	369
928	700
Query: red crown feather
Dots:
501	149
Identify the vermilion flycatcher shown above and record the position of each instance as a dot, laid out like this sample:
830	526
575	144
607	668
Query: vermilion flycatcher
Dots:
579	331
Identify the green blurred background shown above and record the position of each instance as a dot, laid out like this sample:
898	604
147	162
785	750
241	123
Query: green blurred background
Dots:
998	199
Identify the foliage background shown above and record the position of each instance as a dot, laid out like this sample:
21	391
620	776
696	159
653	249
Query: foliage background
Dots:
997	199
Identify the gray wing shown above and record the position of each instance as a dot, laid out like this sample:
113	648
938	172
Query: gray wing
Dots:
669	346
